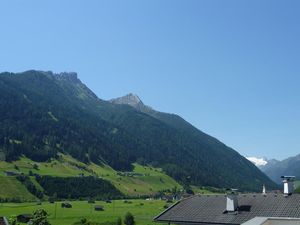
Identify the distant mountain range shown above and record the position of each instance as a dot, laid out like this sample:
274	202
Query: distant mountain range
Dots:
290	166
43	114
276	168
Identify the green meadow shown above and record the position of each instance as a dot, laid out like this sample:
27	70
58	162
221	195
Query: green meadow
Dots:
146	180
144	211
11	188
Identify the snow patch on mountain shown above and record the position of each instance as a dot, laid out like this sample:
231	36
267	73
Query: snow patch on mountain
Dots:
259	162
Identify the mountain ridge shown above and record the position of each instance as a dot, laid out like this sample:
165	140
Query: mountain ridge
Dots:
44	115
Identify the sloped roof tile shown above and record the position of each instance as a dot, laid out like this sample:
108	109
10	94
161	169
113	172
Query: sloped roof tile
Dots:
209	209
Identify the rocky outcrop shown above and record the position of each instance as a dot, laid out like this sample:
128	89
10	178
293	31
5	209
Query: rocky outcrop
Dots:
134	101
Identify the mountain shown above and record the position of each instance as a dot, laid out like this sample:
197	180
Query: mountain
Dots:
275	169
171	119
43	114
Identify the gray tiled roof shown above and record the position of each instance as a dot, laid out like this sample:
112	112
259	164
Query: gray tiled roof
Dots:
209	209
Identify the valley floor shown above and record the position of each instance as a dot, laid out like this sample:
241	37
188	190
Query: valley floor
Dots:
143	211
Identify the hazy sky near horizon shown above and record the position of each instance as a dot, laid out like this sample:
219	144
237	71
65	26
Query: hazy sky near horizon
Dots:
231	68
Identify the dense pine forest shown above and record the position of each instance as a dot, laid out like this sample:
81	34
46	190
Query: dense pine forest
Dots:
78	187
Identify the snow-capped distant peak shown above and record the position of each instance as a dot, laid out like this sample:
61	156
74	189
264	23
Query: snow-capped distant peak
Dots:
257	161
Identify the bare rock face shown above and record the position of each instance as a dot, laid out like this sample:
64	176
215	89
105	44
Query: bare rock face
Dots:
132	100
68	76
71	78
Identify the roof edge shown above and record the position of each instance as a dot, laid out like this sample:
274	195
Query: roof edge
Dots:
193	222
172	206
156	217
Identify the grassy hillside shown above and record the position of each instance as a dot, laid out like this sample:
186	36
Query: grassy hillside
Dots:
144	180
11	188
143	211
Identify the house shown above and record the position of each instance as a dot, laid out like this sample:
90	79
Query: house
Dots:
66	205
12	173
3	221
24	218
236	209
99	208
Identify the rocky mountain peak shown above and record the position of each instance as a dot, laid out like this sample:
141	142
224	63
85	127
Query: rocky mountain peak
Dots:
129	99
69	76
132	100
66	76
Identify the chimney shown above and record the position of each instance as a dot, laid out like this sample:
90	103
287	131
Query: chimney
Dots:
264	190
232	200
288	184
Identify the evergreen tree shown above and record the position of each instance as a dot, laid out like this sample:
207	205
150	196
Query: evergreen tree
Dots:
119	221
129	219
40	217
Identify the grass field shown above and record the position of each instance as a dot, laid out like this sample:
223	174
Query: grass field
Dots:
143	211
151	180
10	188
199	190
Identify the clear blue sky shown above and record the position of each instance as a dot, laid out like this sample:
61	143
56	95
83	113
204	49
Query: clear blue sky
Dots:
231	68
